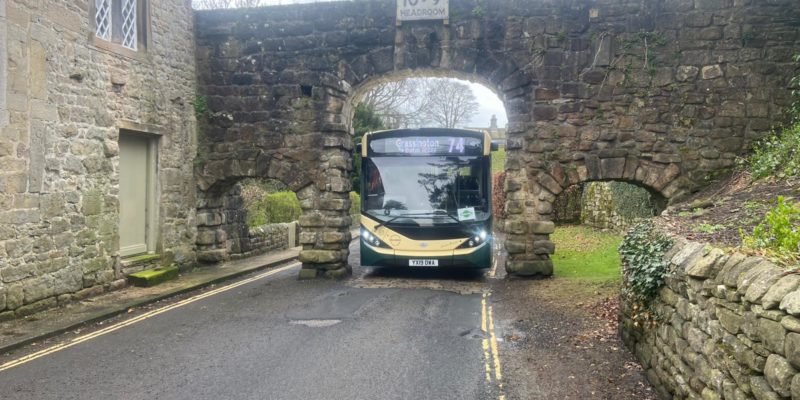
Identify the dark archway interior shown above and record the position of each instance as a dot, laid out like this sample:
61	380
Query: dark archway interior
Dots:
614	205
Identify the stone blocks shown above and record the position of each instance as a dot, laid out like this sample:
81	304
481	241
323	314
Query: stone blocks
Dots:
574	119
530	268
59	149
724	333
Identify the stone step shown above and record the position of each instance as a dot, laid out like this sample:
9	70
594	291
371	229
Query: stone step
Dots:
152	277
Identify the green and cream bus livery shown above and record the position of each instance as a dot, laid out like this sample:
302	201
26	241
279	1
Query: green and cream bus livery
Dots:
426	198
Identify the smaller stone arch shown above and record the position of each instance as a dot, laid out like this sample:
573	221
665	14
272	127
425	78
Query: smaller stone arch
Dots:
305	170
530	220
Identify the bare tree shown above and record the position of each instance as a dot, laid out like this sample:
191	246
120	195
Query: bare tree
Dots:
416	102
399	103
450	103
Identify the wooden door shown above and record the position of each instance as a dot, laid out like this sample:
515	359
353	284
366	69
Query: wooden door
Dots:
134	162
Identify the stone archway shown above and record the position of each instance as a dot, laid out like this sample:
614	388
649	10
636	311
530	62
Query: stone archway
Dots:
661	93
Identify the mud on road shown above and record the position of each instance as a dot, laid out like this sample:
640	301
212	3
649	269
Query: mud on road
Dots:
560	341
558	337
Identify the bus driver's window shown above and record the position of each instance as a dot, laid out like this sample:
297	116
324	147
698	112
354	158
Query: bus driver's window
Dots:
375	190
469	188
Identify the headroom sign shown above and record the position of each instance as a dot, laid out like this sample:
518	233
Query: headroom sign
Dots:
415	10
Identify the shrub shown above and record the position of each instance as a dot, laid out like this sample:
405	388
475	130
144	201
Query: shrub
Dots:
274	208
567	205
630	201
779	233
779	153
643	269
254	190
355	204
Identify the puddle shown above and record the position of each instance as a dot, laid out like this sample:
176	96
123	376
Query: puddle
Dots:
475	333
316	323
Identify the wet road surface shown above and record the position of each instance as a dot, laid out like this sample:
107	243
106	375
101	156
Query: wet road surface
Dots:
380	335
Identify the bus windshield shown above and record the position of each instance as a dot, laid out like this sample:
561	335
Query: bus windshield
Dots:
426	190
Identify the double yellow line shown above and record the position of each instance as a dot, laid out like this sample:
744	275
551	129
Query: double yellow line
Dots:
80	339
491	357
490	349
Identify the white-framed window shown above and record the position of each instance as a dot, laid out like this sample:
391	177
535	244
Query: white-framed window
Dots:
121	22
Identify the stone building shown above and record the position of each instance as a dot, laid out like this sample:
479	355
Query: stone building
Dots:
497	133
97	134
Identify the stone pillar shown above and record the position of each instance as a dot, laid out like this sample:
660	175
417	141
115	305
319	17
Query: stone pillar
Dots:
325	223
528	235
529	206
3	61
211	236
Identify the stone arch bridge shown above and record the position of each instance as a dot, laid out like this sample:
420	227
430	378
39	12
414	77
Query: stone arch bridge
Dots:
662	93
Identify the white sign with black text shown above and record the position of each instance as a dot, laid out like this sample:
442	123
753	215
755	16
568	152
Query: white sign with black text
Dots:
415	10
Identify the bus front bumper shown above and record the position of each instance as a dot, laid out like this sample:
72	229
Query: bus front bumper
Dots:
479	258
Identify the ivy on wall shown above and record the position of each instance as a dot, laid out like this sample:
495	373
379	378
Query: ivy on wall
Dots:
615	205
643	269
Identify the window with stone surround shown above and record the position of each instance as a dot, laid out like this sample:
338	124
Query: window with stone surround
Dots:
120	25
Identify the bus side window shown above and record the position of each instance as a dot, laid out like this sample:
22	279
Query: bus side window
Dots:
374	186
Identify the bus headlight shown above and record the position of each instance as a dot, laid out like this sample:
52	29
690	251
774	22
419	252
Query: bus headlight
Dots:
476	240
371	239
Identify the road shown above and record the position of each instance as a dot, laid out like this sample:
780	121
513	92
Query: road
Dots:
380	335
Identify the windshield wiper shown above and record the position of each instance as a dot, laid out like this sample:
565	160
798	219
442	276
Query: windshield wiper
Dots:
453	217
389	221
427	214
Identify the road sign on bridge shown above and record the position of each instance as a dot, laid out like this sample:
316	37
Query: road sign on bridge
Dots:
415	10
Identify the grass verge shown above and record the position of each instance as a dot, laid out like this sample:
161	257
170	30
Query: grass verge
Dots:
498	160
586	254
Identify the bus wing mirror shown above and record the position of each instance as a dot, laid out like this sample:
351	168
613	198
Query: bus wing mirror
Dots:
495	146
358	148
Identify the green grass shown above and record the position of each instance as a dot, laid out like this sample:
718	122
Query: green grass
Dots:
708	228
584	253
498	160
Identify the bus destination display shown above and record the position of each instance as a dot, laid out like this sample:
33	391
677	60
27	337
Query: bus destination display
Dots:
428	145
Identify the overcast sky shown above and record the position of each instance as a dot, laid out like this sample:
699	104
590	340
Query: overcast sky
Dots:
490	104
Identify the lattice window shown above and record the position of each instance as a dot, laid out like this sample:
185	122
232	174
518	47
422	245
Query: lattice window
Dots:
123	23
102	19
129	24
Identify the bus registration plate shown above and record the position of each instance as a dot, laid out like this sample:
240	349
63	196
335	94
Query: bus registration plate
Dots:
423	263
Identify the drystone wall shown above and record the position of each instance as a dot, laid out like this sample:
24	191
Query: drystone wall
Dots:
729	328
661	93
271	237
63	101
614	205
224	220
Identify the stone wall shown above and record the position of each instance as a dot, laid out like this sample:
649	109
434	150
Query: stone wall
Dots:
270	237
223	232
222	226
730	328
63	101
614	205
660	93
